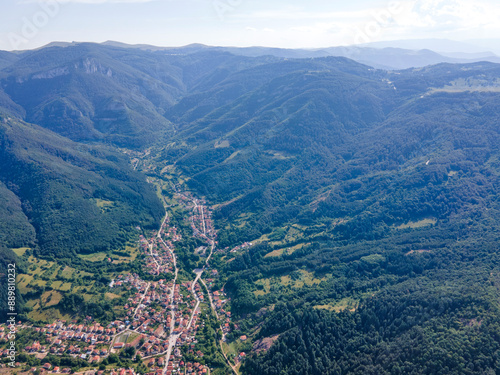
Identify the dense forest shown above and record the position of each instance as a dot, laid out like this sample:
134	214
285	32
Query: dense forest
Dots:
410	332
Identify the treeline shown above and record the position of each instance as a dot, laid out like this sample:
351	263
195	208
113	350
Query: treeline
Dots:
75	304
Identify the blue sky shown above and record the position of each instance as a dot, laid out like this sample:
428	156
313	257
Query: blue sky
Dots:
28	24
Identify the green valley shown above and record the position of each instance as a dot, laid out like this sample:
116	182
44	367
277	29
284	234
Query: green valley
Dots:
253	215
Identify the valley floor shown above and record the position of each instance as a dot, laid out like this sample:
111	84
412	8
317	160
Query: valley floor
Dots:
161	318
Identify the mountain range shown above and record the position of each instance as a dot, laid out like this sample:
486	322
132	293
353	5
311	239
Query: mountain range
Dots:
369	188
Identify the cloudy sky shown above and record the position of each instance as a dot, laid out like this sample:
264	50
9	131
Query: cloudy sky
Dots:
28	24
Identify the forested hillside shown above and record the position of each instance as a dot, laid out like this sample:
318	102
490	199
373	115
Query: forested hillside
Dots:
89	92
69	198
369	192
362	148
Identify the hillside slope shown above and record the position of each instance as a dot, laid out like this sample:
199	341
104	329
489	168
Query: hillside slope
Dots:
306	137
96	93
75	198
364	190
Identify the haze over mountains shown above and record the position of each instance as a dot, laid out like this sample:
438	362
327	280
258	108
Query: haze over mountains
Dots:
373	189
383	55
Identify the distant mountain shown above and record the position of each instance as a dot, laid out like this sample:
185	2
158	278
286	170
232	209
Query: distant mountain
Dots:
7	58
381	56
86	93
489	44
90	92
438	45
396	58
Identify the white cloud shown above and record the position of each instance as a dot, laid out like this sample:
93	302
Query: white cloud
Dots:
409	19
299	15
449	14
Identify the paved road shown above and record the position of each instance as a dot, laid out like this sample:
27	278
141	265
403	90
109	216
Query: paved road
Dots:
172	338
142	299
199	272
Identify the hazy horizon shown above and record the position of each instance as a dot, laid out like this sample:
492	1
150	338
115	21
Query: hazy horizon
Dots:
29	24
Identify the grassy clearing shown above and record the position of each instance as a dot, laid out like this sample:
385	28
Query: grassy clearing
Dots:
79	289
324	307
132	337
231	351
52	272
263	238
275	253
266	285
342	305
20	251
50	314
418	224
39	282
104	205
51	298
97	257
455	90
123	337
216	206
232	156
285	251
373	258
223	144
57	284
65	287
279	155
83	274
309	279
38	266
282	237
346	304
469	85
22	283
305	278
132	251
293	234
421	251
112	296
33	303
285	280
67	272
